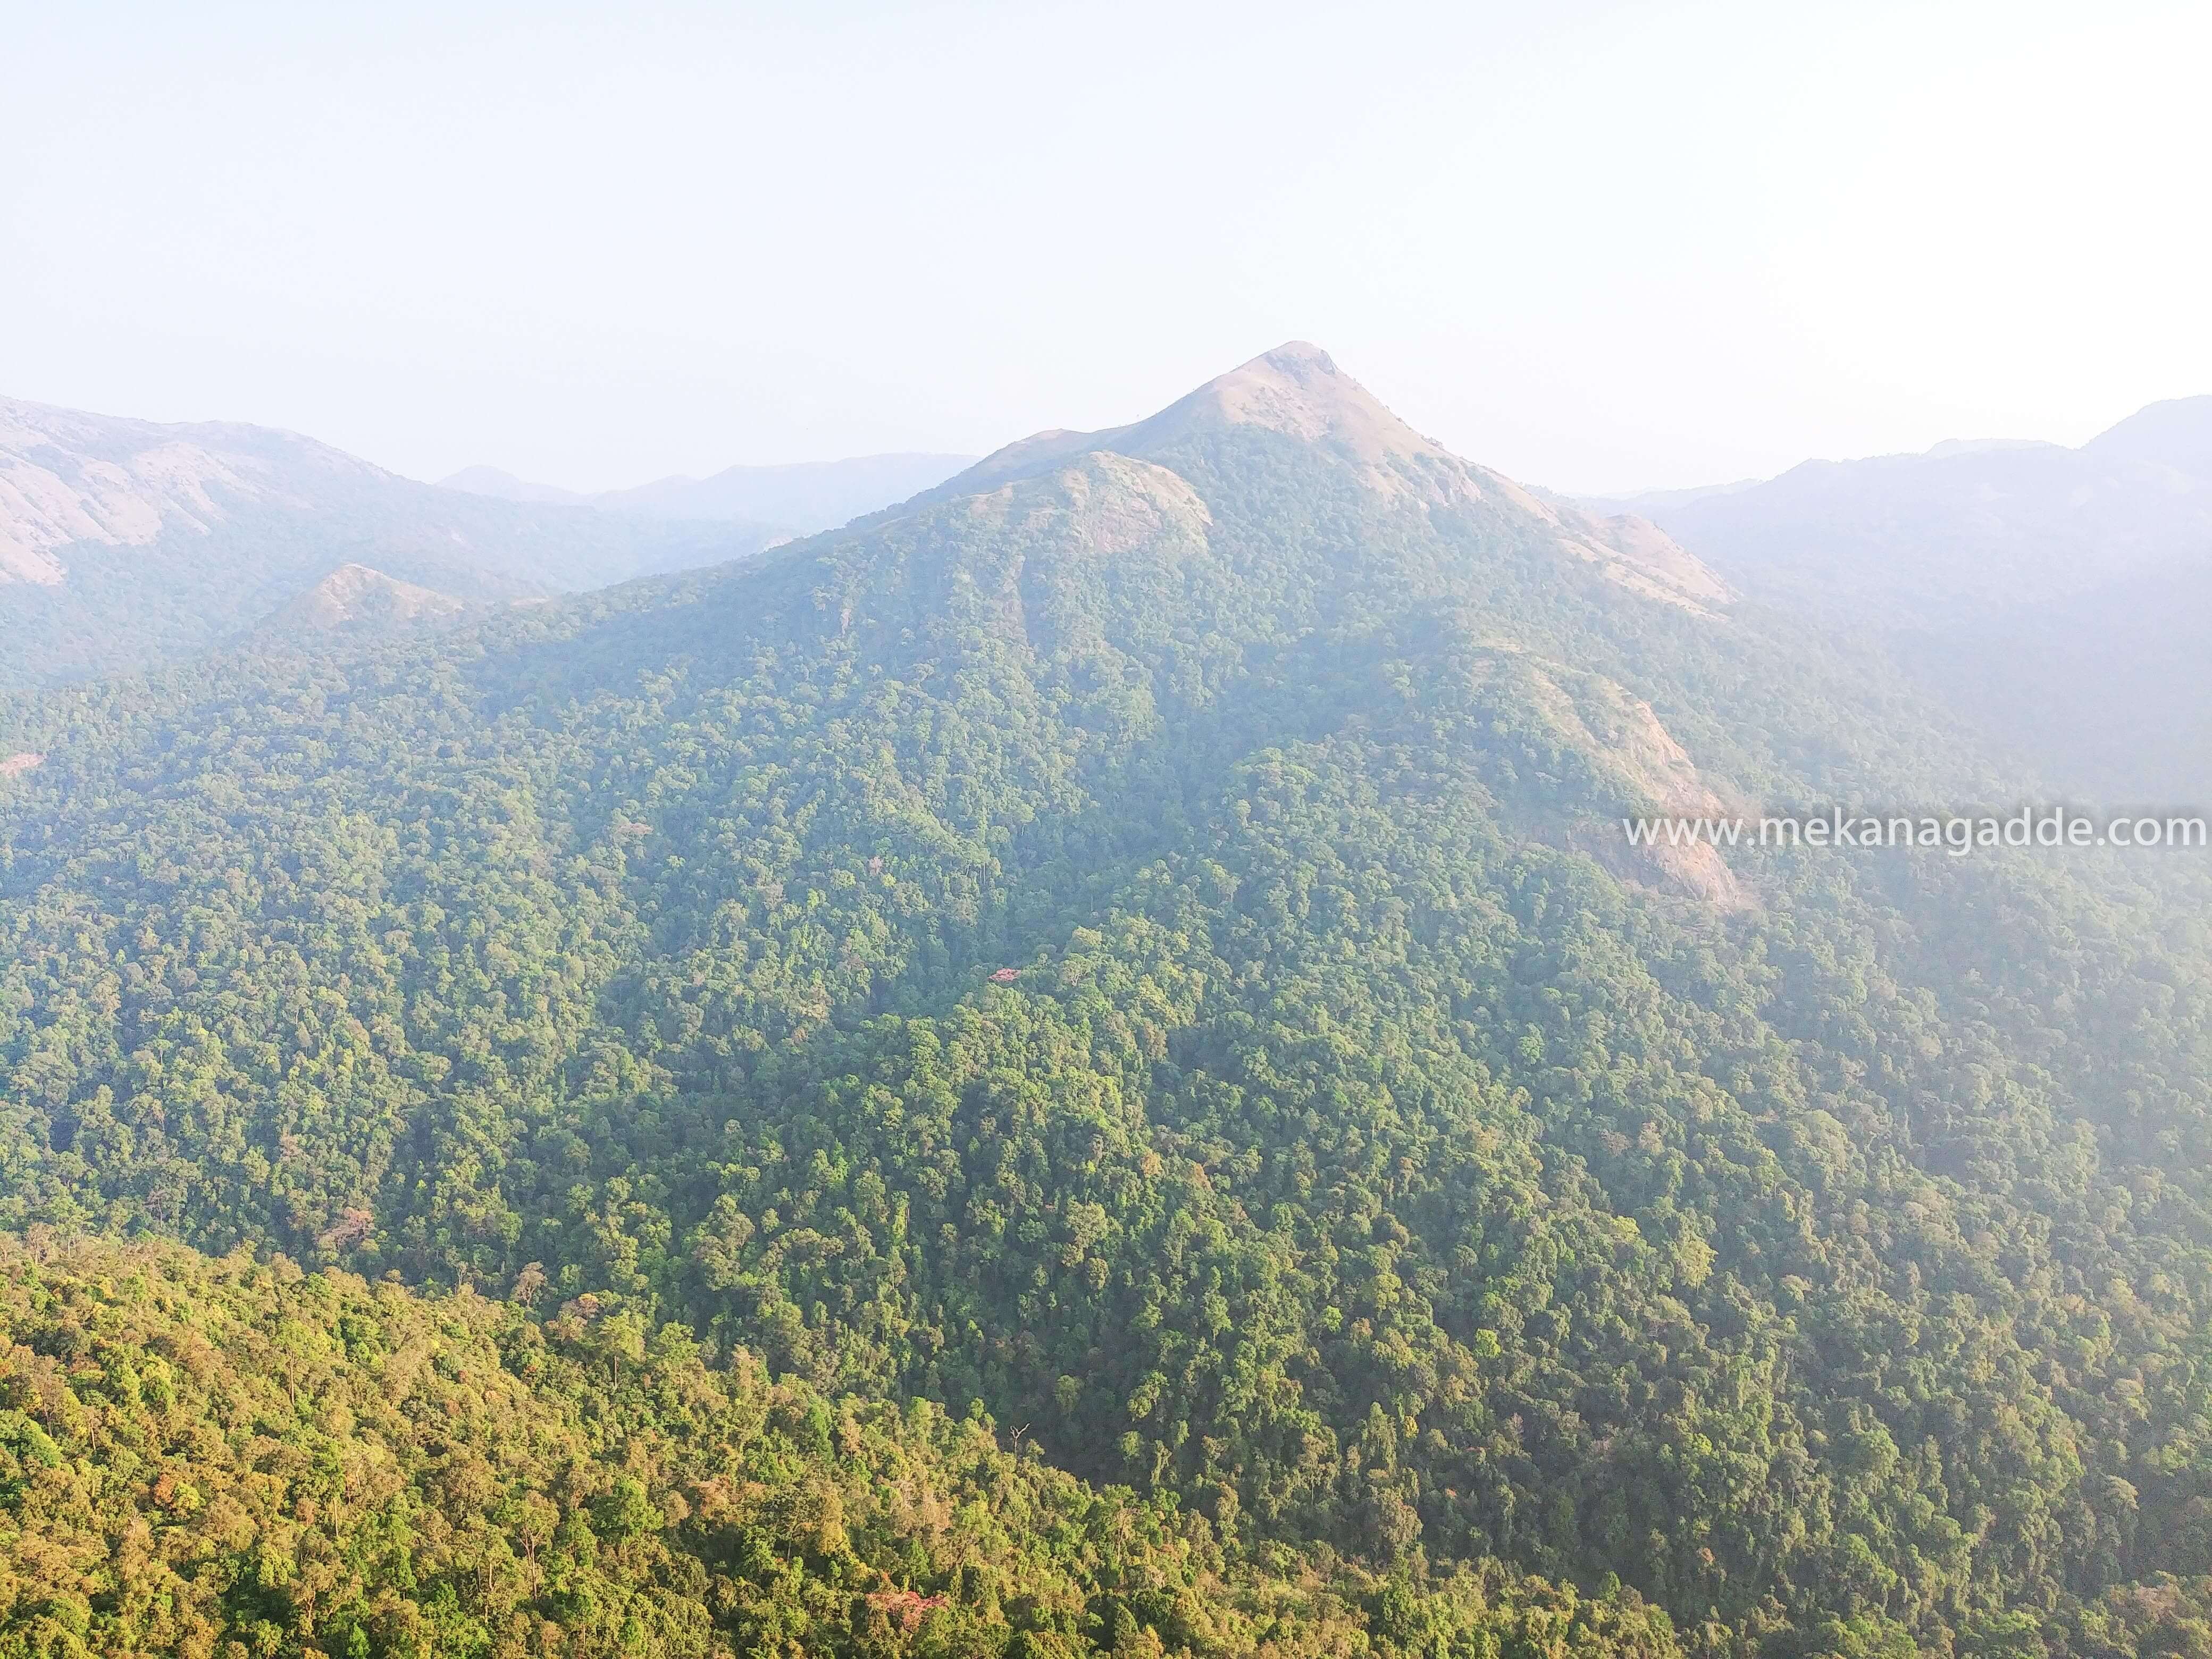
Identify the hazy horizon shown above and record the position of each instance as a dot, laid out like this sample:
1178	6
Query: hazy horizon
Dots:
1609	249
492	470
1959	441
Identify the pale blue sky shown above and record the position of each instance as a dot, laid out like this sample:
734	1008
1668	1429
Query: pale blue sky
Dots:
1598	247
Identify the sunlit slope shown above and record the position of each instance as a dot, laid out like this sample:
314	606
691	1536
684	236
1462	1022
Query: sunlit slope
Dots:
124	544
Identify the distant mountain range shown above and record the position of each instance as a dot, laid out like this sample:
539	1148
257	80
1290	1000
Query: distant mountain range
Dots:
2060	597
802	498
1948	537
125	542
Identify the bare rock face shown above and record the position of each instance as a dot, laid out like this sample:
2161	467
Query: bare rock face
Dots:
66	477
1299	391
1637	762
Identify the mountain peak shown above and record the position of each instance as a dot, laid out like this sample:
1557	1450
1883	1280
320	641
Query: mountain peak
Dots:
1298	390
1296	359
505	486
355	599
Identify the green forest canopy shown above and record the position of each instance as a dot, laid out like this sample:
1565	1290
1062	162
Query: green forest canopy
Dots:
1373	1183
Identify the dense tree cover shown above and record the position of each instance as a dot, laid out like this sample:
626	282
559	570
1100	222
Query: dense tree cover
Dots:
220	1458
127	608
1367	1157
2061	596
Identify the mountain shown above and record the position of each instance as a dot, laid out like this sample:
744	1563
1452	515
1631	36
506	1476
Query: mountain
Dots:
125	542
1135	952
2176	434
1298	393
803	498
353	599
1950	536
490	481
2056	593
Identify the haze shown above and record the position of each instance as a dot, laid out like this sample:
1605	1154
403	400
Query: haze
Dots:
1604	248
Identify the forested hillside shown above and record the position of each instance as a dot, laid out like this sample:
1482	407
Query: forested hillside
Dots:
197	1453
1140	948
126	543
2059	596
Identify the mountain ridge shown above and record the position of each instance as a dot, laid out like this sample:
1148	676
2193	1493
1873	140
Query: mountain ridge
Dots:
127	478
800	497
2048	591
124	541
1296	392
1920	537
